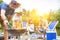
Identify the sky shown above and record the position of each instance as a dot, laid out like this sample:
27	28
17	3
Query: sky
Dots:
40	5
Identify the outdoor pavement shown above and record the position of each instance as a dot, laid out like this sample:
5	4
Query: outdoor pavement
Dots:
26	38
31	39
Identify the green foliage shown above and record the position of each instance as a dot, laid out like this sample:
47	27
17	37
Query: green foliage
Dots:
58	17
58	32
52	16
55	17
1	1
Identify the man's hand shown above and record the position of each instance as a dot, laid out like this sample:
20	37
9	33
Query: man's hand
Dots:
5	22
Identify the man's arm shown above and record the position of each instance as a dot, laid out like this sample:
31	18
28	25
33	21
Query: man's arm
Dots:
3	14
5	21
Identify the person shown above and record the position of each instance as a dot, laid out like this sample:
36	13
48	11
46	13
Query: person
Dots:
43	25
30	27
5	11
17	20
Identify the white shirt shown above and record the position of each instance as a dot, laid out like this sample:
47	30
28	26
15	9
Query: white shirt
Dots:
31	27
15	17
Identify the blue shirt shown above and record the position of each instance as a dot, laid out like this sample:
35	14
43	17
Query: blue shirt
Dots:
6	8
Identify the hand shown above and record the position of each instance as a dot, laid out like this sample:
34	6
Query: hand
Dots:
5	22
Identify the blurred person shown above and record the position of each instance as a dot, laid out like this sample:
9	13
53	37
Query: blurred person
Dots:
43	24
30	27
17	20
5	11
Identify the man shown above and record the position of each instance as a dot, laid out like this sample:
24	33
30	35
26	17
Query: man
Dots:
43	25
5	11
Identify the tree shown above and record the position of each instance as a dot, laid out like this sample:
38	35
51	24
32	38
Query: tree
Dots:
52	16
55	17
35	17
25	17
58	17
1	1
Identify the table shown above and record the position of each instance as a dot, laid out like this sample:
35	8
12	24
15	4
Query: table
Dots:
16	32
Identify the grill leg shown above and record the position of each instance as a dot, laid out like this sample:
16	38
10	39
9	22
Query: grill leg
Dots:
18	37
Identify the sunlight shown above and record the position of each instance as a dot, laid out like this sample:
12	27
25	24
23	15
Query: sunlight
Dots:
7	1
43	10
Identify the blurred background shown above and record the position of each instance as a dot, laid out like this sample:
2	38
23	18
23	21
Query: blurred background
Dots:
33	9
